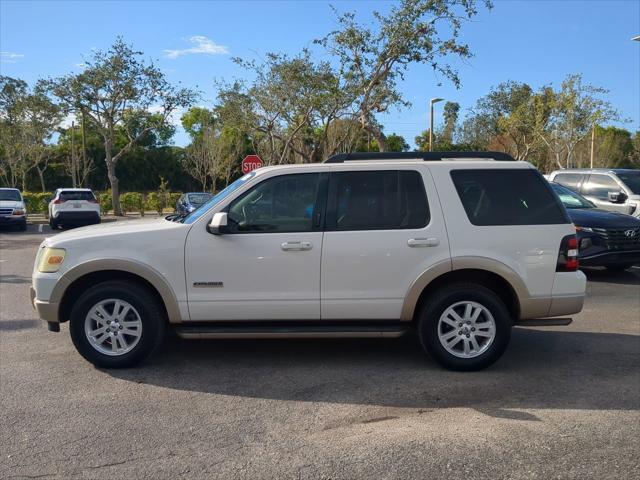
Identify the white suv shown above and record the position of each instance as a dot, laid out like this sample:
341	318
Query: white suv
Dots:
363	245
73	206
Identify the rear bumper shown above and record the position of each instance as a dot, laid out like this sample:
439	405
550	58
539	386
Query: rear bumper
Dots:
567	298
77	217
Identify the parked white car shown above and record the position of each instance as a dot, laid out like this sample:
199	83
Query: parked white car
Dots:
73	206
363	245
13	210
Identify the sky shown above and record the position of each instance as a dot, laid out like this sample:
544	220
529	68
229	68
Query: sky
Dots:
534	41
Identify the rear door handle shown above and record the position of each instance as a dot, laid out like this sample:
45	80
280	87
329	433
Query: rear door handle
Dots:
296	246
423	242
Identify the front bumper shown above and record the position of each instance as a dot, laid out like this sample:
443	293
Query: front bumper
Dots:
47	311
13	219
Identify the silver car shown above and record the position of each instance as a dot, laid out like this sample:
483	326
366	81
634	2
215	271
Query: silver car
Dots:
616	189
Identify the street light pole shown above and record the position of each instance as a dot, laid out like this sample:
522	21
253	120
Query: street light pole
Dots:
593	140
431	102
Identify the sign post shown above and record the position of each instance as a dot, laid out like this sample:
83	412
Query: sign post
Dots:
250	163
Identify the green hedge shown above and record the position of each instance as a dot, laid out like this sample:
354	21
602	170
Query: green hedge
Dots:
133	202
37	202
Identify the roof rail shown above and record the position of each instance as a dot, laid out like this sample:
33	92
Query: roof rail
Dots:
426	156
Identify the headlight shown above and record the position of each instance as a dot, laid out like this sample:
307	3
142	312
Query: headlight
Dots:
51	259
584	229
18	211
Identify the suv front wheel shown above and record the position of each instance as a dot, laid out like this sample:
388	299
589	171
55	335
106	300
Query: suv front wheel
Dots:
117	324
465	327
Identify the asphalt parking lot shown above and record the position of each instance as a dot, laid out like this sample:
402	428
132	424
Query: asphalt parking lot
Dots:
564	402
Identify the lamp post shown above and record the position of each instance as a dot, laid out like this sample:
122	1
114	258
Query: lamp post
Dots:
431	102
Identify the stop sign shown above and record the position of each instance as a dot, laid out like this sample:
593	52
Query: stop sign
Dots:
250	163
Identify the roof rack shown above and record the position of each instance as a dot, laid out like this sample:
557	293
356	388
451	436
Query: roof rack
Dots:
425	156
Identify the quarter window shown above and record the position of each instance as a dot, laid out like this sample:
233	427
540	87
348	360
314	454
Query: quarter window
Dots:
281	204
377	200
507	197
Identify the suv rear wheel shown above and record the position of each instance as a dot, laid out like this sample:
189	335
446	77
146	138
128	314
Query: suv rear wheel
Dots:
465	326
117	324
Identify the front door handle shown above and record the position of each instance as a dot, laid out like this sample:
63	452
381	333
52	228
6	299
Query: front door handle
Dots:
423	242
296	246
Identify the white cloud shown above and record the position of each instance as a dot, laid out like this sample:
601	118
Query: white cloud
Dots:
201	45
10	57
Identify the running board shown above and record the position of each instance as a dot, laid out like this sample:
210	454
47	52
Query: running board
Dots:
544	322
290	330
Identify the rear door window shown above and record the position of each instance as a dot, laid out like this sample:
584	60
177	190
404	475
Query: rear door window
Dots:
571	180
507	197
377	200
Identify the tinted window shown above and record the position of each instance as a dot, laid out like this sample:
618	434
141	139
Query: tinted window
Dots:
599	186
377	200
631	180
507	197
571	180
70	195
281	204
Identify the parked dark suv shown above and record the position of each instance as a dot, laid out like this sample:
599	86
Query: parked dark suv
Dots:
607	239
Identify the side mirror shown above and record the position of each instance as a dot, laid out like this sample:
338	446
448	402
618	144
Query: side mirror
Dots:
617	197
218	223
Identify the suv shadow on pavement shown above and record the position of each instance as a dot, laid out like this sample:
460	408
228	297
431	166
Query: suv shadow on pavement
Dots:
626	277
542	369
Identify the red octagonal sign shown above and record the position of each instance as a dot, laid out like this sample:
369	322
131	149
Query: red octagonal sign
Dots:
250	163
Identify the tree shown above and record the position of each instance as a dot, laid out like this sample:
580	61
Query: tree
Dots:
451	110
117	89
373	60
198	162
13	165
290	101
41	118
574	111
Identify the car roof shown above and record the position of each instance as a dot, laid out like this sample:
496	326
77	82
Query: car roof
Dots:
73	190
594	170
10	188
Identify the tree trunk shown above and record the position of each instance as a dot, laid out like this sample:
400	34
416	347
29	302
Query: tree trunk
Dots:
380	137
41	175
113	179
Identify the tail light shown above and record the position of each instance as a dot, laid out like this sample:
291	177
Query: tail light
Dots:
58	201
568	255
93	200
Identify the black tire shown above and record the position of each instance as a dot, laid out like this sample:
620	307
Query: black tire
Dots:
53	223
151	313
23	226
619	268
449	295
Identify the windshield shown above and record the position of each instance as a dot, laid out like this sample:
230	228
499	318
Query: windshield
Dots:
571	199
10	195
631	180
221	195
